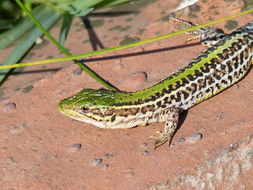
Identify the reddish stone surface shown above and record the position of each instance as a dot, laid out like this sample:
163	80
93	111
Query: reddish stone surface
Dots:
43	149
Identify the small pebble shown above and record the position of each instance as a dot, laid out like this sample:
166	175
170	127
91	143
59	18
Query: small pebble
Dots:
103	166
108	155
238	122
234	146
220	116
11	159
38	41
145	152
24	124
96	161
181	140
75	147
19	127
191	138
9	106
77	71
27	89
194	138
172	145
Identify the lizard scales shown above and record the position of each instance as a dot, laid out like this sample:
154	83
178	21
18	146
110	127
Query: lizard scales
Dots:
224	63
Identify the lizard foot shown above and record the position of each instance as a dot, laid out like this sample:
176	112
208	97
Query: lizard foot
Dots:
161	139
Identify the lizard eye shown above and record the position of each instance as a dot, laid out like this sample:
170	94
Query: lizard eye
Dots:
84	109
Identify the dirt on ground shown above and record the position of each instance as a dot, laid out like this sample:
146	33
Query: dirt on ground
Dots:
42	149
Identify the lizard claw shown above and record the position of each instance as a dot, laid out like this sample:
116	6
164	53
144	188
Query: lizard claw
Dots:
161	139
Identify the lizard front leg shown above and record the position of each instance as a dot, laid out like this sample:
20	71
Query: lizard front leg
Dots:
170	116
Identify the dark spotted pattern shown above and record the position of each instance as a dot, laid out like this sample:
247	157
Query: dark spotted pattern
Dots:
221	69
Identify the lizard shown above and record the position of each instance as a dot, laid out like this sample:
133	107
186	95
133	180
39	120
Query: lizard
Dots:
227	59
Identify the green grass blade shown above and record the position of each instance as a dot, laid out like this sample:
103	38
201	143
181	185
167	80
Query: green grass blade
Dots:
65	51
66	24
65	27
79	4
21	28
99	52
110	3
6	24
82	12
49	19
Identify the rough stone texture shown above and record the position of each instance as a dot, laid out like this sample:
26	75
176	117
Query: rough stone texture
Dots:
231	168
42	149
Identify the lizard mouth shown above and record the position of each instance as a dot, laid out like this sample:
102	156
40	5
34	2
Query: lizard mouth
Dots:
78	116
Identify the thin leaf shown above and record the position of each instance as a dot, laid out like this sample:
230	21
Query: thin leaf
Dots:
21	28
110	3
66	24
77	6
82	12
6	24
49	19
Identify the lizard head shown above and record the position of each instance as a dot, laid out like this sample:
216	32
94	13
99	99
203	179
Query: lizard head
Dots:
90	106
